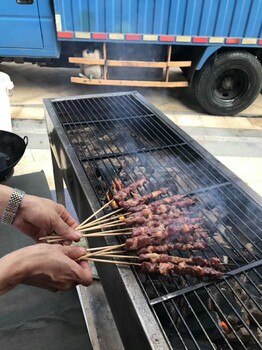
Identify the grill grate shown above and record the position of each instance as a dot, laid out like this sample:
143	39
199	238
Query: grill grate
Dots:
112	133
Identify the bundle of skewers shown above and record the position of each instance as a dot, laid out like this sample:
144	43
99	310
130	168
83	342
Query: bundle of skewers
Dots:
156	228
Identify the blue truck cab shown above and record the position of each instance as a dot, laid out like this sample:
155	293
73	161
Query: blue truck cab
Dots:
217	44
28	29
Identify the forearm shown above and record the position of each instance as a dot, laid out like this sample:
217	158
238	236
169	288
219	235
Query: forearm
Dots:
12	272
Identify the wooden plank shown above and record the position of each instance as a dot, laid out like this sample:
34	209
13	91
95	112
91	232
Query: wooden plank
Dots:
180	64
129	82
105	66
81	60
143	64
169	51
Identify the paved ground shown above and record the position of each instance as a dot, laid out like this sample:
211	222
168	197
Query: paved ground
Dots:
235	141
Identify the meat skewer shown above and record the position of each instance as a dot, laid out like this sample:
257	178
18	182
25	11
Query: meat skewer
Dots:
162	231
180	269
131	204
147	209
154	220
169	247
143	199
195	260
138	242
124	192
166	211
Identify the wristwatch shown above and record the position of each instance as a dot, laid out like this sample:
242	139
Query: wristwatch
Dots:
12	206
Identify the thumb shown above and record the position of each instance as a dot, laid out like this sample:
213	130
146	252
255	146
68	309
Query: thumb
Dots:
74	252
62	229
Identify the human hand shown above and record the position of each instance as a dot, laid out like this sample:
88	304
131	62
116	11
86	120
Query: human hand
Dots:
51	267
38	217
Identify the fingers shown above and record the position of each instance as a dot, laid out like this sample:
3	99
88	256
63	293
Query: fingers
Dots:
84	273
74	252
62	228
67	217
64	224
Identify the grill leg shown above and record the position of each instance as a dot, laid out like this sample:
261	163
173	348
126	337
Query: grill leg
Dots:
59	185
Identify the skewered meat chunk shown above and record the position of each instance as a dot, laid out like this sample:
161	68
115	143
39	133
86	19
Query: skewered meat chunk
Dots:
138	200
195	260
138	242
180	269
138	208
124	192
168	247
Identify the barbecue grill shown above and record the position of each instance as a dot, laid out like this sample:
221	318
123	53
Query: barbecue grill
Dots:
97	139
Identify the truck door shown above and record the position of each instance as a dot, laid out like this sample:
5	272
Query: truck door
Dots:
20	24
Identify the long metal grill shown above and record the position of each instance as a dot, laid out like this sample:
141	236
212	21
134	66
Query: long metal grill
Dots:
123	136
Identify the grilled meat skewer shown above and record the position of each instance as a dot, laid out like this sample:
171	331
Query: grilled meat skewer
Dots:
143	199
195	260
169	247
138	242
124	192
165	231
131	205
180	269
154	220
177	199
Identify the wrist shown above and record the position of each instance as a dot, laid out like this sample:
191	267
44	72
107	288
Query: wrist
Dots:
12	205
6	193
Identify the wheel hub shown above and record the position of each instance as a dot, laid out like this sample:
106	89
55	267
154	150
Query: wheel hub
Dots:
228	83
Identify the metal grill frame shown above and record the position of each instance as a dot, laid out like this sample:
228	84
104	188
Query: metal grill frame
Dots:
140	320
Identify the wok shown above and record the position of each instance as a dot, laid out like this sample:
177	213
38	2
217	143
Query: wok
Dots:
12	148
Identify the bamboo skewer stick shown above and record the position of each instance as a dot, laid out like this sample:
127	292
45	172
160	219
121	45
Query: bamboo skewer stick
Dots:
99	227
105	250
104	216
110	255
85	235
90	235
114	262
56	239
93	223
106	247
101	234
96	212
112	252
109	231
97	248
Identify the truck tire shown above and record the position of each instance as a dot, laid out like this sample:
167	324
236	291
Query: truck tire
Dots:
229	83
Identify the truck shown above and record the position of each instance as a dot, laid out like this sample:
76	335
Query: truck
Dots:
212	46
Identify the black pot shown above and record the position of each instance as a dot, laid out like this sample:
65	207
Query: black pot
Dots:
12	148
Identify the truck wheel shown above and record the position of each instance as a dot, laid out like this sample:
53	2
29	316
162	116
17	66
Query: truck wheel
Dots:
229	83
